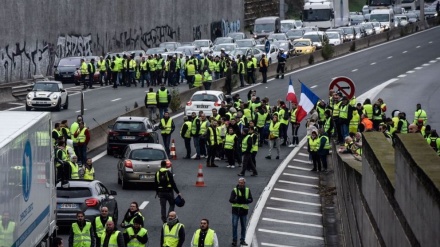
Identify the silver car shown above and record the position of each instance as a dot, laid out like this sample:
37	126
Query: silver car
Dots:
139	163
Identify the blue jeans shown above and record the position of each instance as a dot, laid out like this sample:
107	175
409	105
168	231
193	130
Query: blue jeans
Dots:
162	110
196	140
243	219
344	130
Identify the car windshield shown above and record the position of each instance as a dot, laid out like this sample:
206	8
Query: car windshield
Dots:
333	35
129	126
317	15
357	17
223	40
281	43
301	43
49	87
201	43
147	154
280	36
169	46
236	36
264	27
73	192
156	50
69	62
349	30
204	97
287	26
244	43
226	47
185	50
380	17
294	33
312	37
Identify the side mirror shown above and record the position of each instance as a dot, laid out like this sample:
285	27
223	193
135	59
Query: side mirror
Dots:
110	126
252	32
113	193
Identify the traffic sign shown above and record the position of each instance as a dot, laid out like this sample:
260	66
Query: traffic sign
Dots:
267	46
343	84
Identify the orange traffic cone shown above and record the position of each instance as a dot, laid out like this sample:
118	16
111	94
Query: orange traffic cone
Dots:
173	150
200	181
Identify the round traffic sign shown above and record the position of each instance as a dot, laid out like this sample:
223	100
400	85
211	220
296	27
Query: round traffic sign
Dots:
344	85
267	46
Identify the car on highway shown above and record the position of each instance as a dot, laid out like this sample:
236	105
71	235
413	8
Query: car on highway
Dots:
237	35
127	130
334	38
188	50
170	46
88	59
277	36
319	38
369	28
339	30
86	196
303	46
247	52
205	101
246	43
228	47
360	32
272	55
223	40
203	44
412	17
139	163
47	95
287	25
356	19
295	34
284	44
66	68
377	27
309	29
350	33
430	12
156	50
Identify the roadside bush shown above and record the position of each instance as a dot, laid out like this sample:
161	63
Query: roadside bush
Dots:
175	100
311	59
327	51
353	46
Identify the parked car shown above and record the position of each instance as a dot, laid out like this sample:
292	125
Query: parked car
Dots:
228	47
47	95
156	50
350	33
203	44
369	28
237	35
334	38
338	30
127	130
86	196
295	34
246	43
272	55
170	46
303	46
66	68
205	101
223	40
188	50
139	163
247	52
317	37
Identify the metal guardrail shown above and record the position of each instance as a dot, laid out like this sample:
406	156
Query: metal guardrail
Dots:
22	90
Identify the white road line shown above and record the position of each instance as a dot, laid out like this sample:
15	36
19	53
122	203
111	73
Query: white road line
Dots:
404	51
418	46
97	157
425	64
294	201
313	86
303	154
273	245
144	204
418	68
13	103
296	183
430	42
299	168
302	161
80	110
290	234
300	176
401	76
433	61
296	192
354	70
438	58
294	211
373	63
410	71
292	222
113	100
15	108
389	57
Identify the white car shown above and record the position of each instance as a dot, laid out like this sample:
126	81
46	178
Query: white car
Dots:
204	101
217	49
203	44
47	95
272	56
334	38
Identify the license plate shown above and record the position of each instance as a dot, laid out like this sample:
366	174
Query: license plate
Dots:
146	176
202	106
68	205
66	75
128	137
39	102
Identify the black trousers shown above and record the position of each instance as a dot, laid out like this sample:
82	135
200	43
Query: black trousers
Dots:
212	150
264	75
295	127
280	70
166	196
188	147
316	160
248	164
230	156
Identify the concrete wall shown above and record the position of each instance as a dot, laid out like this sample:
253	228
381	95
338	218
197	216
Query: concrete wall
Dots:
391	197
35	34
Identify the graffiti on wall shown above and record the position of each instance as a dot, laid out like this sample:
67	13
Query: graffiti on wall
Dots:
23	60
224	27
198	30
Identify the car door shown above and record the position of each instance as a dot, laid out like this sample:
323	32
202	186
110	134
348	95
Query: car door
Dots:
63	94
107	200
151	128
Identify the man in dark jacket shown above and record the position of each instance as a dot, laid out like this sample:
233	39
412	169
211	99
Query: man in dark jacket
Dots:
246	146
165	186
167	239
136	234
110	230
240	198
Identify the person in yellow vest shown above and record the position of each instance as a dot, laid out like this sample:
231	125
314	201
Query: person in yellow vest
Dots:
283	117
73	128
264	64
190	72
160	69
99	224
143	67
185	133
82	135
151	100
131	67
312	147
198	79
204	124
65	130
241	70
173	232
295	126
165	185
213	142
163	100
81	232
402	126
7	230
230	144
354	122
136	236
250	70
114	72
84	71
62	164
102	67
167	128
56	134
75	169
89	170
240	198
377	115
111	237
132	212
92	70
204	236
324	149
420	114
207	79
253	131
274	136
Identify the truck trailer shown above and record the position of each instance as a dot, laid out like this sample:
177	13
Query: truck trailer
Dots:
27	179
326	14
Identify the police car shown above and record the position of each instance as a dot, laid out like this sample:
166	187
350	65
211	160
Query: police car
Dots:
47	95
204	101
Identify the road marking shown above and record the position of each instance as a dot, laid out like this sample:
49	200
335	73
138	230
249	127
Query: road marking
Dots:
113	100
294	201
418	68
144	204
313	86
425	64
354	70
296	192
389	57
432	61
14	103
292	222
303	154
299	168
401	76
404	52
296	183
373	63
294	211
410	71
302	161
300	176
273	245
290	234
97	157
80	110
430	42
418	46
438	58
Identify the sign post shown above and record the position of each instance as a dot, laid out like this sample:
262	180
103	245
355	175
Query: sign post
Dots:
344	85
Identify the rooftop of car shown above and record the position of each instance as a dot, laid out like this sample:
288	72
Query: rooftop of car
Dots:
146	145
46	82
79	183
209	92
131	119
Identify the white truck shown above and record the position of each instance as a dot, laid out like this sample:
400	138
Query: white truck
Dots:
326	14
384	16
27	183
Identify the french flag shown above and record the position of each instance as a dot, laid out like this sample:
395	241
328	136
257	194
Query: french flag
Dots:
307	102
291	96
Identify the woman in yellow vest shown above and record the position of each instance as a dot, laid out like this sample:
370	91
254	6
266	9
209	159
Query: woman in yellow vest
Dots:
89	171
324	149
312	147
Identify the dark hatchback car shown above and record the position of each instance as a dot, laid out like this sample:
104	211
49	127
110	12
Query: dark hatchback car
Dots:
127	130
66	69
86	196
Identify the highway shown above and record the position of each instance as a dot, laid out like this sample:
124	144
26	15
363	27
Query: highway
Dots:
367	68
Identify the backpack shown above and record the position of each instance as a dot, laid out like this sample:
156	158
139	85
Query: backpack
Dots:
163	179
433	143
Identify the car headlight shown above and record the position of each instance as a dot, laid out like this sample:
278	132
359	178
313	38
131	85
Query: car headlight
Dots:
29	96
57	72
55	96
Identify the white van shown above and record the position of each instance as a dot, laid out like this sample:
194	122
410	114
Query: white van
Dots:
287	25
384	16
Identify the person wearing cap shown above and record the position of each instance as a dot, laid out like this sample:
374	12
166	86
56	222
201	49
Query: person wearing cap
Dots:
250	69
136	235
281	63
246	148
264	64
102	70
173	232
240	198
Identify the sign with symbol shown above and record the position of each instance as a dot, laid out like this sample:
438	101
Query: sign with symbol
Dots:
267	46
344	85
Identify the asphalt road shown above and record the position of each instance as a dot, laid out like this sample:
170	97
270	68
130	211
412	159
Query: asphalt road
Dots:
368	68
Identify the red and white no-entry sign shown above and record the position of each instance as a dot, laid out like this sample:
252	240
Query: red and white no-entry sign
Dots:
343	84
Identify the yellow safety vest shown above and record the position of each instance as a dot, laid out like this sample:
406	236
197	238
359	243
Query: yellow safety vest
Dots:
229	141
254	144
207	76
240	69
144	65
354	122
74	168
203	127
293	115
198	78
84	69
244	143
54	141
101	66
7	234
211	136
209	239
420	114
368	110
191	69
194	127
247	113
343	111
167	125
281	115
151	98
246	195
171	237
314	143
261	121
336	109
99	227
89	174
158	178
82	238
254	60
159	64
133	242
67	131
73	128
274	129
152	64
63	156
163	96
187	134
113	241
81	138
327	142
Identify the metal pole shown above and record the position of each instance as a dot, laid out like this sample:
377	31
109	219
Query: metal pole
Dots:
282	13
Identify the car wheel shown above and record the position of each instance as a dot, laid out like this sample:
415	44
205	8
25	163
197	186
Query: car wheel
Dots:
58	106
124	184
119	180
28	108
66	105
